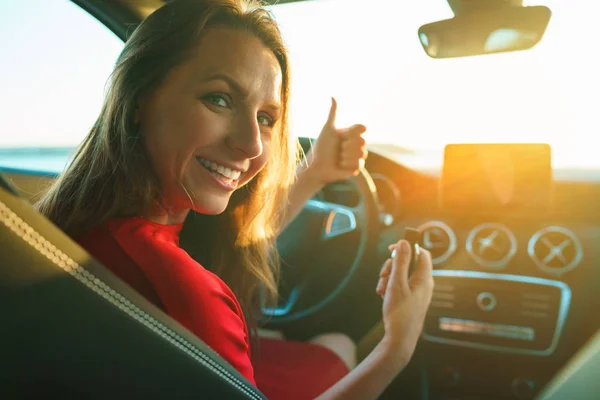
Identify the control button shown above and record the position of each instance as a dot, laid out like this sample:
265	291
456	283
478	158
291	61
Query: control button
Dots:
486	301
523	389
483	328
450	377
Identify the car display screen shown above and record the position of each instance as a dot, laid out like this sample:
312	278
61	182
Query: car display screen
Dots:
496	177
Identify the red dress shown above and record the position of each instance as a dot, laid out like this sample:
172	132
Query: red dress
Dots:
147	256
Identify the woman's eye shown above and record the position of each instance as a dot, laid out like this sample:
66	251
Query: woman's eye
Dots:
217	99
265	120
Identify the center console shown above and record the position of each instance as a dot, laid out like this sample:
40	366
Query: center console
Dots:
497	312
503	269
489	334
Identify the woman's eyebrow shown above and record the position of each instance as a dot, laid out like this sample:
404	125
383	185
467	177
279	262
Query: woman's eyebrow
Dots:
233	84
274	107
229	81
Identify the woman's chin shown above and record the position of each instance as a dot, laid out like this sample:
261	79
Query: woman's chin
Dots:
212	207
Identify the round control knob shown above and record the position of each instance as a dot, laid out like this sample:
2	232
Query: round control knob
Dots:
486	301
523	389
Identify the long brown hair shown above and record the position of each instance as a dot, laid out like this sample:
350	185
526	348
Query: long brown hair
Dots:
111	175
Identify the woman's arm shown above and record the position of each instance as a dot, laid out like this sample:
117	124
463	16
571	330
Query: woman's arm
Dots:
337	155
405	303
308	183
369	378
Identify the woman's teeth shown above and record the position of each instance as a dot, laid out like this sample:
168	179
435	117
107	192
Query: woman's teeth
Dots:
214	167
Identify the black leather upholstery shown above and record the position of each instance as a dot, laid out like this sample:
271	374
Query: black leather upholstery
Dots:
70	328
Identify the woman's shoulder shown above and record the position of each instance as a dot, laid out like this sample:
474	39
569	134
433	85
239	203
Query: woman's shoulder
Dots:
136	248
143	229
100	243
155	249
194	296
133	235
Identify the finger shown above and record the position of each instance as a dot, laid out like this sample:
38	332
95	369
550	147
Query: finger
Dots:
350	165
382	286
353	131
392	246
386	268
399	276
332	112
352	160
353	142
353	166
423	274
379	287
353	155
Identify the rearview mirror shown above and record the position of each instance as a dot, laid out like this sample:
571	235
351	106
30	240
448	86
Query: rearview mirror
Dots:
485	31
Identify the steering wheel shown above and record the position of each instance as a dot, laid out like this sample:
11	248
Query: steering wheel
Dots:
321	232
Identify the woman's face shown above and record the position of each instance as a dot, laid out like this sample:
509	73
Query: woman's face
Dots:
207	126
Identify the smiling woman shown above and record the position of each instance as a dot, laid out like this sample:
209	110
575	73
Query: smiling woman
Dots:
195	122
143	166
164	113
241	103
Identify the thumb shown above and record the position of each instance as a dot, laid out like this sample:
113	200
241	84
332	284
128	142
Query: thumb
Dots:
332	112
399	275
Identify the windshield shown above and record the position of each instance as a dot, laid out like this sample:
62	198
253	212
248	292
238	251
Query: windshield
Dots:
371	60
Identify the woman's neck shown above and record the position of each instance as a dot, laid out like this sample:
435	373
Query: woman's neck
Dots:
166	217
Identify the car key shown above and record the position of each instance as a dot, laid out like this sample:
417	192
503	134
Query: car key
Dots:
412	236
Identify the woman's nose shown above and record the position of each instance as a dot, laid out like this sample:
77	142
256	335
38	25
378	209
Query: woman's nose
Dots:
246	137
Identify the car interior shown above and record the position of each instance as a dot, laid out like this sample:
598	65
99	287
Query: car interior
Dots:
483	134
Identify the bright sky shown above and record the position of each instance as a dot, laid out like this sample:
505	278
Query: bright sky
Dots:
57	60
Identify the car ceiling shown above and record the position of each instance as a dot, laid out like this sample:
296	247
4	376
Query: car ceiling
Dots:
119	15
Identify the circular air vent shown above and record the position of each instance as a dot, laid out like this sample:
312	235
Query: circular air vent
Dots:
555	250
439	239
491	245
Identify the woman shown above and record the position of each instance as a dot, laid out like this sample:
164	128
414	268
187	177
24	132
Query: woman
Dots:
196	119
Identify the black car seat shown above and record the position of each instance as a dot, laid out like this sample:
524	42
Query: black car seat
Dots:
69	328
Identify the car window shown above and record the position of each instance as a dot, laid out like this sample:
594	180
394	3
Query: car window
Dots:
370	58
56	61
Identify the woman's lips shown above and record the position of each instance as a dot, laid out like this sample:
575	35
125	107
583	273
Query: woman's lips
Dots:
222	180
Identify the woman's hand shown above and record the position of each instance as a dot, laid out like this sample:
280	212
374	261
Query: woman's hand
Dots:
338	153
405	302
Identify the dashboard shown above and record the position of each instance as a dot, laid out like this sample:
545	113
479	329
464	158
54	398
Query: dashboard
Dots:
516	289
516	292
